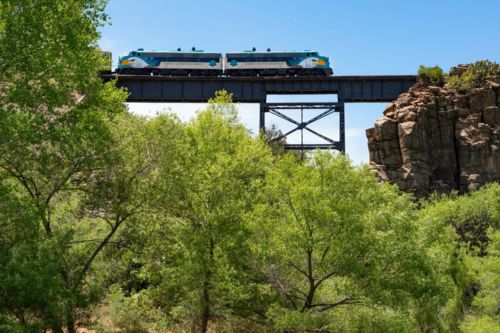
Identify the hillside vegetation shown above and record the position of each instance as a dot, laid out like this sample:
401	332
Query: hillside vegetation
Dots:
122	223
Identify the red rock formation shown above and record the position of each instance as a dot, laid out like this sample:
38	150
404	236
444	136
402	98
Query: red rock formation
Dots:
439	139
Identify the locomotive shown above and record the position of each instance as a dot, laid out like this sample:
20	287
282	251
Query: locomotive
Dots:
247	63
252	63
176	63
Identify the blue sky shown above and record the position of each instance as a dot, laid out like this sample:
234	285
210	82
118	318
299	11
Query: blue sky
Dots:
360	37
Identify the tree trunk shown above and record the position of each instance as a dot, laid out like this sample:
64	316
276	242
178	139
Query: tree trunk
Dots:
312	287
54	323
205	315
70	319
193	324
57	329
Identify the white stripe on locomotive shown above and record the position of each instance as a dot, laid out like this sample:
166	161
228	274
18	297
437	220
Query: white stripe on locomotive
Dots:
188	65
257	65
306	63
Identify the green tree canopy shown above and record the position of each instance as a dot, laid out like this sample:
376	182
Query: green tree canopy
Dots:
55	138
335	245
197	242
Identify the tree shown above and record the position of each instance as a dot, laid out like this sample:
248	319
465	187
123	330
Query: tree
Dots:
30	284
197	244
55	136
484	313
275	140
335	246
120	205
456	229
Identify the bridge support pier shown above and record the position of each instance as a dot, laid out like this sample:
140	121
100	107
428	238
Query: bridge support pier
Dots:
262	117
341	111
323	110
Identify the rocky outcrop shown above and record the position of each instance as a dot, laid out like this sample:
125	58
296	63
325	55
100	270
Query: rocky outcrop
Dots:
439	139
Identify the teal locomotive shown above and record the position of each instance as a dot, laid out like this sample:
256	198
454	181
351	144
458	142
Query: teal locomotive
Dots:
175	63
252	63
247	63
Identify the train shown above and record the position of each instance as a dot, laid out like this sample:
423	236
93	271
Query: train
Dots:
247	63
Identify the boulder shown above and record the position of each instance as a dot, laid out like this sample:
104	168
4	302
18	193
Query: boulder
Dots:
491	116
482	98
458	70
385	129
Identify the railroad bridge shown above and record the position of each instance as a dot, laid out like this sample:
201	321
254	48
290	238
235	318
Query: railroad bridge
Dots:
349	89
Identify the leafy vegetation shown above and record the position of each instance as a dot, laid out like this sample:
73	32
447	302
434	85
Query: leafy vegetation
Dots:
483	316
476	75
465	230
325	239
431	76
128	224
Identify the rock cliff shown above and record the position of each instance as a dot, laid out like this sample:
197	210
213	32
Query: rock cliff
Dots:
439	138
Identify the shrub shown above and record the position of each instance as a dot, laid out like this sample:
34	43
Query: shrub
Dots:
128	314
431	76
475	75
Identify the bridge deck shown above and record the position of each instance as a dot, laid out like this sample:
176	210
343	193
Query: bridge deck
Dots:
143	88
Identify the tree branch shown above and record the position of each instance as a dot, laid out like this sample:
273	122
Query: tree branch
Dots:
61	183
298	268
19	176
325	277
328	306
102	244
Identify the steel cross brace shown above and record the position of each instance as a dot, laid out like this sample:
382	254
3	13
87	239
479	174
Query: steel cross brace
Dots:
302	125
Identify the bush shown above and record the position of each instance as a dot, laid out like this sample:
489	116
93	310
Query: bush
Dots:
431	76
475	75
128	314
470	215
483	316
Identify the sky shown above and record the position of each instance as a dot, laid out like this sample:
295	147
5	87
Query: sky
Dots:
361	37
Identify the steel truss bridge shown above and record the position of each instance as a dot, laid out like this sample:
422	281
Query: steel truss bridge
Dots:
349	89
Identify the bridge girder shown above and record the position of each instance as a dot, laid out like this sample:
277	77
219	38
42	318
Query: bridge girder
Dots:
144	88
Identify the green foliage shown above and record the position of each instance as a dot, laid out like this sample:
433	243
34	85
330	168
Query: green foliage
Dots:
476	75
50	49
197	245
161	225
484	313
273	138
327	238
128	314
55	144
457	228
30	284
203	228
470	215
431	76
